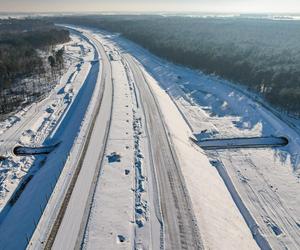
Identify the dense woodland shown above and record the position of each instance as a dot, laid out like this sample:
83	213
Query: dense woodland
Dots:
262	54
23	46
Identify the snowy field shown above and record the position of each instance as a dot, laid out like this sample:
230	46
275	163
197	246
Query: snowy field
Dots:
32	125
56	112
267	180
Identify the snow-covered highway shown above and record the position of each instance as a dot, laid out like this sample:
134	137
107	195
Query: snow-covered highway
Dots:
70	222
179	227
142	199
181	230
263	178
132	178
127	189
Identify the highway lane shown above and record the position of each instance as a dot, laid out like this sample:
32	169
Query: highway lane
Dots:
69	225
179	223
180	226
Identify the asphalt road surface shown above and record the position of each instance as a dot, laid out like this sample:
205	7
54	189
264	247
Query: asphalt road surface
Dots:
180	226
69	226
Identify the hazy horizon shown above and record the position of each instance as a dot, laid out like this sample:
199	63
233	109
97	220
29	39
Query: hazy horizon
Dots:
131	6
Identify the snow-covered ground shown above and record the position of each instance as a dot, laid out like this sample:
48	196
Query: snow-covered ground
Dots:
267	180
113	202
237	195
118	217
33	124
122	200
28	205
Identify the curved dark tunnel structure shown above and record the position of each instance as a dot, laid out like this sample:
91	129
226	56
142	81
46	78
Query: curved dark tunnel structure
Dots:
23	151
247	142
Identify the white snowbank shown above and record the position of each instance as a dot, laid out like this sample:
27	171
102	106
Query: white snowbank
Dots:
221	225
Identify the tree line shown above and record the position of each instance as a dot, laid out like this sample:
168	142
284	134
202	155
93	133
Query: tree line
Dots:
262	54
22	46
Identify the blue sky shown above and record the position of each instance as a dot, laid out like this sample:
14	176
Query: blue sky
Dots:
153	5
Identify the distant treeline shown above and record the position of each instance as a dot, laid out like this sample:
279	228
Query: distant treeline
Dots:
262	54
19	42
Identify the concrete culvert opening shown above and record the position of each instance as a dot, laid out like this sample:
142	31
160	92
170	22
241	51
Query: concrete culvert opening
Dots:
23	151
246	142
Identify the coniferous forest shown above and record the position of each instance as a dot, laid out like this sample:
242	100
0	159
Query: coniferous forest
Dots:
262	54
23	46
19	41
